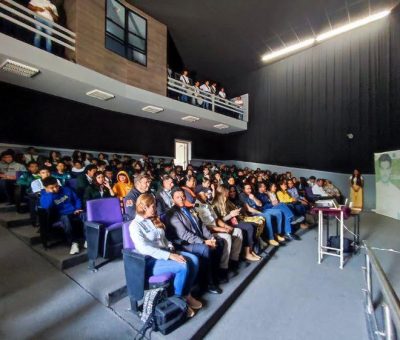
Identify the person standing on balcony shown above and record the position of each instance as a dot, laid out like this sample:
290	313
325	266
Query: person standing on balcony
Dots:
185	80
46	13
206	88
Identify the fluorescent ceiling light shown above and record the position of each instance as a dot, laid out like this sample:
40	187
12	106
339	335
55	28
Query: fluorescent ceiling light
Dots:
221	126
152	109
19	69
98	94
289	49
190	119
353	25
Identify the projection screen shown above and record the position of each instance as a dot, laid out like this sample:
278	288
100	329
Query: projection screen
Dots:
387	177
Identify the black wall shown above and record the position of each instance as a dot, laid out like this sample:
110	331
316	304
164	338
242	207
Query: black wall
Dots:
33	118
302	107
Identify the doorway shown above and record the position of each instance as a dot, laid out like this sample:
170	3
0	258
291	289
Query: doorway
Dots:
183	152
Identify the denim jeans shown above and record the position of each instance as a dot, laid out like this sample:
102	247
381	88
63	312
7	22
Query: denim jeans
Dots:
287	215
37	39
267	214
185	273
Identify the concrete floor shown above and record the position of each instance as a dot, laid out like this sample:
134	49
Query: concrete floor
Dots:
292	297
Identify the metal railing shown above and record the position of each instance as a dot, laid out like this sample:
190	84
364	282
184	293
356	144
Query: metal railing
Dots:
204	99
390	304
25	18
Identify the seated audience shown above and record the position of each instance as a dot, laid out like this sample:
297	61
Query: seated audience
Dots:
255	207
61	174
293	192
188	233
207	188
141	186
318	188
284	197
99	188
164	197
8	175
189	189
85	179
148	234
77	169
289	218
232	237
31	155
229	215
123	185
24	183
68	207
332	191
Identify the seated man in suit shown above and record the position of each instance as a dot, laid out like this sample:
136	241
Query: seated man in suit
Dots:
85	179
188	233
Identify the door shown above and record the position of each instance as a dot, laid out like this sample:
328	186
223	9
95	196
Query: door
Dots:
183	153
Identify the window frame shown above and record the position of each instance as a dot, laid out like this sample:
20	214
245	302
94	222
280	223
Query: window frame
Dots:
125	43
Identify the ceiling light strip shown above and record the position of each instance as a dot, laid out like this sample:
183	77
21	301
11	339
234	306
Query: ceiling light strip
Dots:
324	36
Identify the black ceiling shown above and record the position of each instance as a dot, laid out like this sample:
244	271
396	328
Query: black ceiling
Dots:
224	38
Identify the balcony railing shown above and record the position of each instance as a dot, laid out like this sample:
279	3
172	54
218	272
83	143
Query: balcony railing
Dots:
203	99
27	19
385	297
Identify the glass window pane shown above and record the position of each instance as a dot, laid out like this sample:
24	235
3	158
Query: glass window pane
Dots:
115	30
137	42
116	12
139	57
115	46
137	25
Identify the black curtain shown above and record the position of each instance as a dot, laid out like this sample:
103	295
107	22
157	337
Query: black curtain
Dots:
302	107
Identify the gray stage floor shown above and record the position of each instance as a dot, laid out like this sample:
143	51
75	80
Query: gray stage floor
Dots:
292	297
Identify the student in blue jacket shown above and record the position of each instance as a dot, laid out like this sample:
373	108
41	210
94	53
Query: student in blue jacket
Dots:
68	206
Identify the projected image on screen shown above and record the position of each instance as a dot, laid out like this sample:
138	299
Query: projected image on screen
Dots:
387	171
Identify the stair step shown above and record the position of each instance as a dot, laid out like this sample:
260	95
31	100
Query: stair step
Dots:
4	207
59	255
14	219
27	234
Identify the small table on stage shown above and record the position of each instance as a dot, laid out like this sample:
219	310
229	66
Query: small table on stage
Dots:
341	213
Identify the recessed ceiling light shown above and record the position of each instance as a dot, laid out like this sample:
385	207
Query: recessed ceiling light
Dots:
190	119
288	49
98	94
19	68
153	109
352	25
221	126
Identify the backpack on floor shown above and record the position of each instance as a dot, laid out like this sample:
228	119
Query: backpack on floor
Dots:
170	314
334	242
151	299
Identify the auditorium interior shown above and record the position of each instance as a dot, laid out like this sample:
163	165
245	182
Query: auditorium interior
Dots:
176	169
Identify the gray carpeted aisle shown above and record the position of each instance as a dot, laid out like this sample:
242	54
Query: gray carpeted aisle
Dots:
37	301
295	298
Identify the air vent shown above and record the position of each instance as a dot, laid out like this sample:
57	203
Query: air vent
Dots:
153	109
221	126
190	119
19	69
101	95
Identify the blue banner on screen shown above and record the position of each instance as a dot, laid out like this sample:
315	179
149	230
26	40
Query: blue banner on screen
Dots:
387	171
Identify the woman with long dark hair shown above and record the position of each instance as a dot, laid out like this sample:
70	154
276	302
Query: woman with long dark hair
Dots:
100	188
356	189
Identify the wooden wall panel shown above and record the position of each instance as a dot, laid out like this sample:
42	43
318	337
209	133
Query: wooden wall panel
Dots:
87	20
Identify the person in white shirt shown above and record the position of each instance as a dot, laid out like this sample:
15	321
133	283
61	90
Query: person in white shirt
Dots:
214	88
185	80
197	100
206	88
387	193
222	93
46	13
8	175
318	188
148	235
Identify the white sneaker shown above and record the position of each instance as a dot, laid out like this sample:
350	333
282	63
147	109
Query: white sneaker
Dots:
85	245
74	249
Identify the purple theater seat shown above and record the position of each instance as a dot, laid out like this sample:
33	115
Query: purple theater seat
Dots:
103	229
135	271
